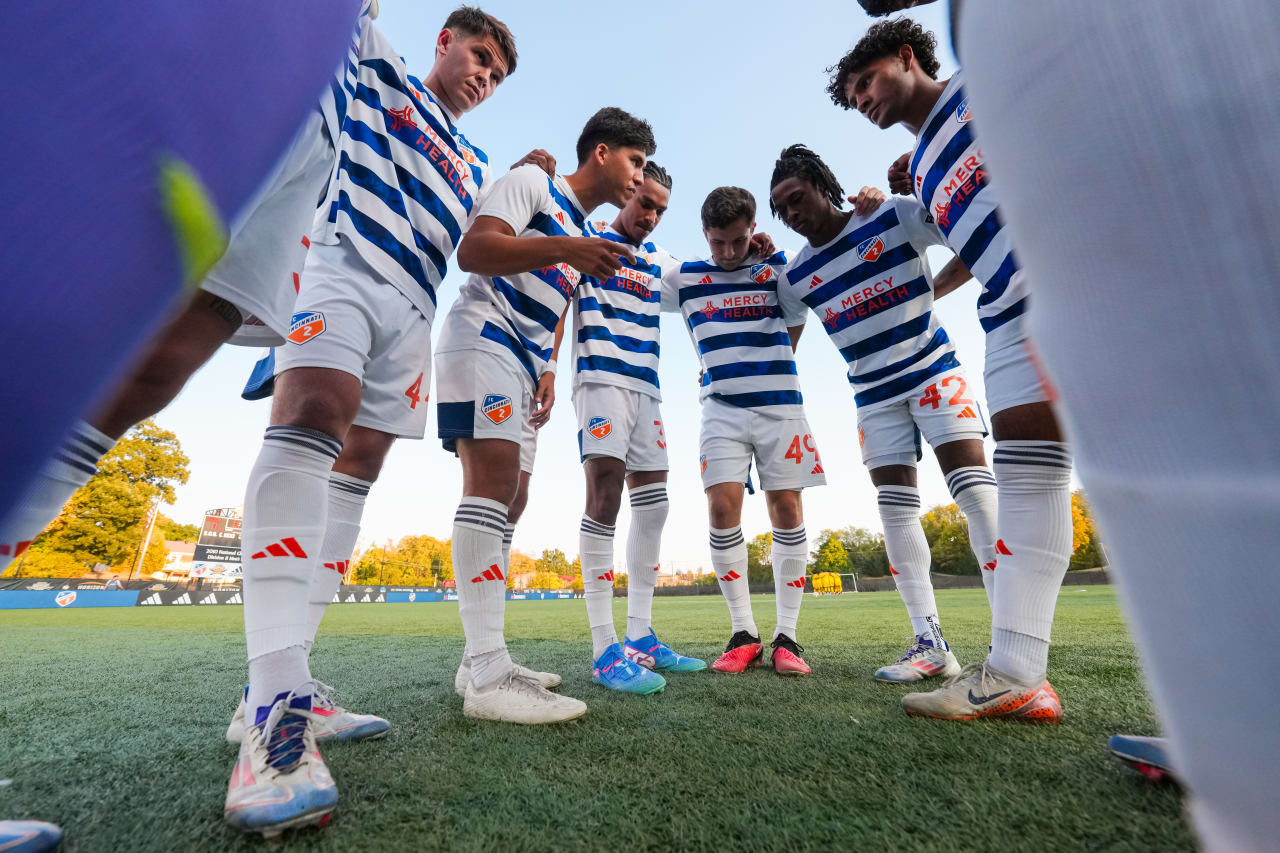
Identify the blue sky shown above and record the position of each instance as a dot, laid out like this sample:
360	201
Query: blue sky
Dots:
725	86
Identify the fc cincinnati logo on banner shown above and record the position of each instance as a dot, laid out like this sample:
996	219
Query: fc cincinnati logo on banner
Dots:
599	427
62	599
496	407
305	325
761	273
962	111
870	248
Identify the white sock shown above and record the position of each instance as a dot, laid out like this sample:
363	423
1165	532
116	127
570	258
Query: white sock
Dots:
1031	554
346	504
973	488
70	467
648	515
478	527
267	675
729	559
790	556
285	508
595	547
909	558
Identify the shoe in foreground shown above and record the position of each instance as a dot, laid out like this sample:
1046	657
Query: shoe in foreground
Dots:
333	722
614	671
547	680
279	780
1148	755
743	651
651	653
922	660
786	658
980	691
28	836
519	699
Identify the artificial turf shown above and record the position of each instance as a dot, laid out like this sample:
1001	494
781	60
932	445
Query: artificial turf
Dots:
111	724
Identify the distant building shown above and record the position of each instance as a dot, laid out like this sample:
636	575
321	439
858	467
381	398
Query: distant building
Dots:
179	557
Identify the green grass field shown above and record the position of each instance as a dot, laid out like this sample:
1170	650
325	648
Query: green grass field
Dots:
111	724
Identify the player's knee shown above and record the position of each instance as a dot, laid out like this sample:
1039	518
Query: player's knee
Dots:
316	398
602	506
785	510
723	514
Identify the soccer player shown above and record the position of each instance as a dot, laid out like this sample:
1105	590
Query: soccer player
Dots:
527	250
252	279
751	409
890	77
350	379
867	279
621	438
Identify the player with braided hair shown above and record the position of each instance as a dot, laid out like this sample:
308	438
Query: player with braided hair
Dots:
867	280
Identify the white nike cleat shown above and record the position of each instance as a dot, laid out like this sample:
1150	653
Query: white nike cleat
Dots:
279	780
981	691
922	660
519	699
333	721
546	680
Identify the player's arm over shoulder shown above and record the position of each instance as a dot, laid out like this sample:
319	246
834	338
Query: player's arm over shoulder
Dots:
922	230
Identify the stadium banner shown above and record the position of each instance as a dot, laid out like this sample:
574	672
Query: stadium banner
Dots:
541	595
360	595
219	540
412	595
55	599
194	597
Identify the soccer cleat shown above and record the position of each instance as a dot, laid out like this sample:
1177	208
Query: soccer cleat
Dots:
546	680
743	651
651	653
279	780
922	660
519	699
614	671
28	836
333	722
980	691
1148	755
786	656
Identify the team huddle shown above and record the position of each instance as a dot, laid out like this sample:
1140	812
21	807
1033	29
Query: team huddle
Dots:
346	292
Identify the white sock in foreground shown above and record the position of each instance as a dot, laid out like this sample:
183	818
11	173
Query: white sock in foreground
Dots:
285	509
478	527
729	560
71	466
648	515
346	504
973	488
1031	554
595	546
790	556
909	557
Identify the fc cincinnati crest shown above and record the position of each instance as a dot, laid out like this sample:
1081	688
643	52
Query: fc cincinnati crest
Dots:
305	325
761	273
62	599
702	460
496	407
870	248
962	111
599	427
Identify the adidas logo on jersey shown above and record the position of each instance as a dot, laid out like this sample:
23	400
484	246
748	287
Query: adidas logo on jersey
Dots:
607	576
731	575
339	567
1002	548
798	583
967	413
817	469
706	279
814	282
278	549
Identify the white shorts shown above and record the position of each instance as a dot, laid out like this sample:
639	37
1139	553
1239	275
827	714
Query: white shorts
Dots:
785	451
621	423
943	411
484	394
349	319
259	272
1013	378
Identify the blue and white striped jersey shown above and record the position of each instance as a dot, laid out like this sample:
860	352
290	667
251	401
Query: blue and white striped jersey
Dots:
342	88
950	179
406	181
873	292
517	314
740	333
616	320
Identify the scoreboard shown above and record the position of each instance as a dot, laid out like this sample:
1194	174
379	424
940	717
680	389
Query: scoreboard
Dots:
220	536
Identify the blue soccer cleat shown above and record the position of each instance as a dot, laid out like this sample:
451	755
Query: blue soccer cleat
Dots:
1148	755
28	836
651	653
614	671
